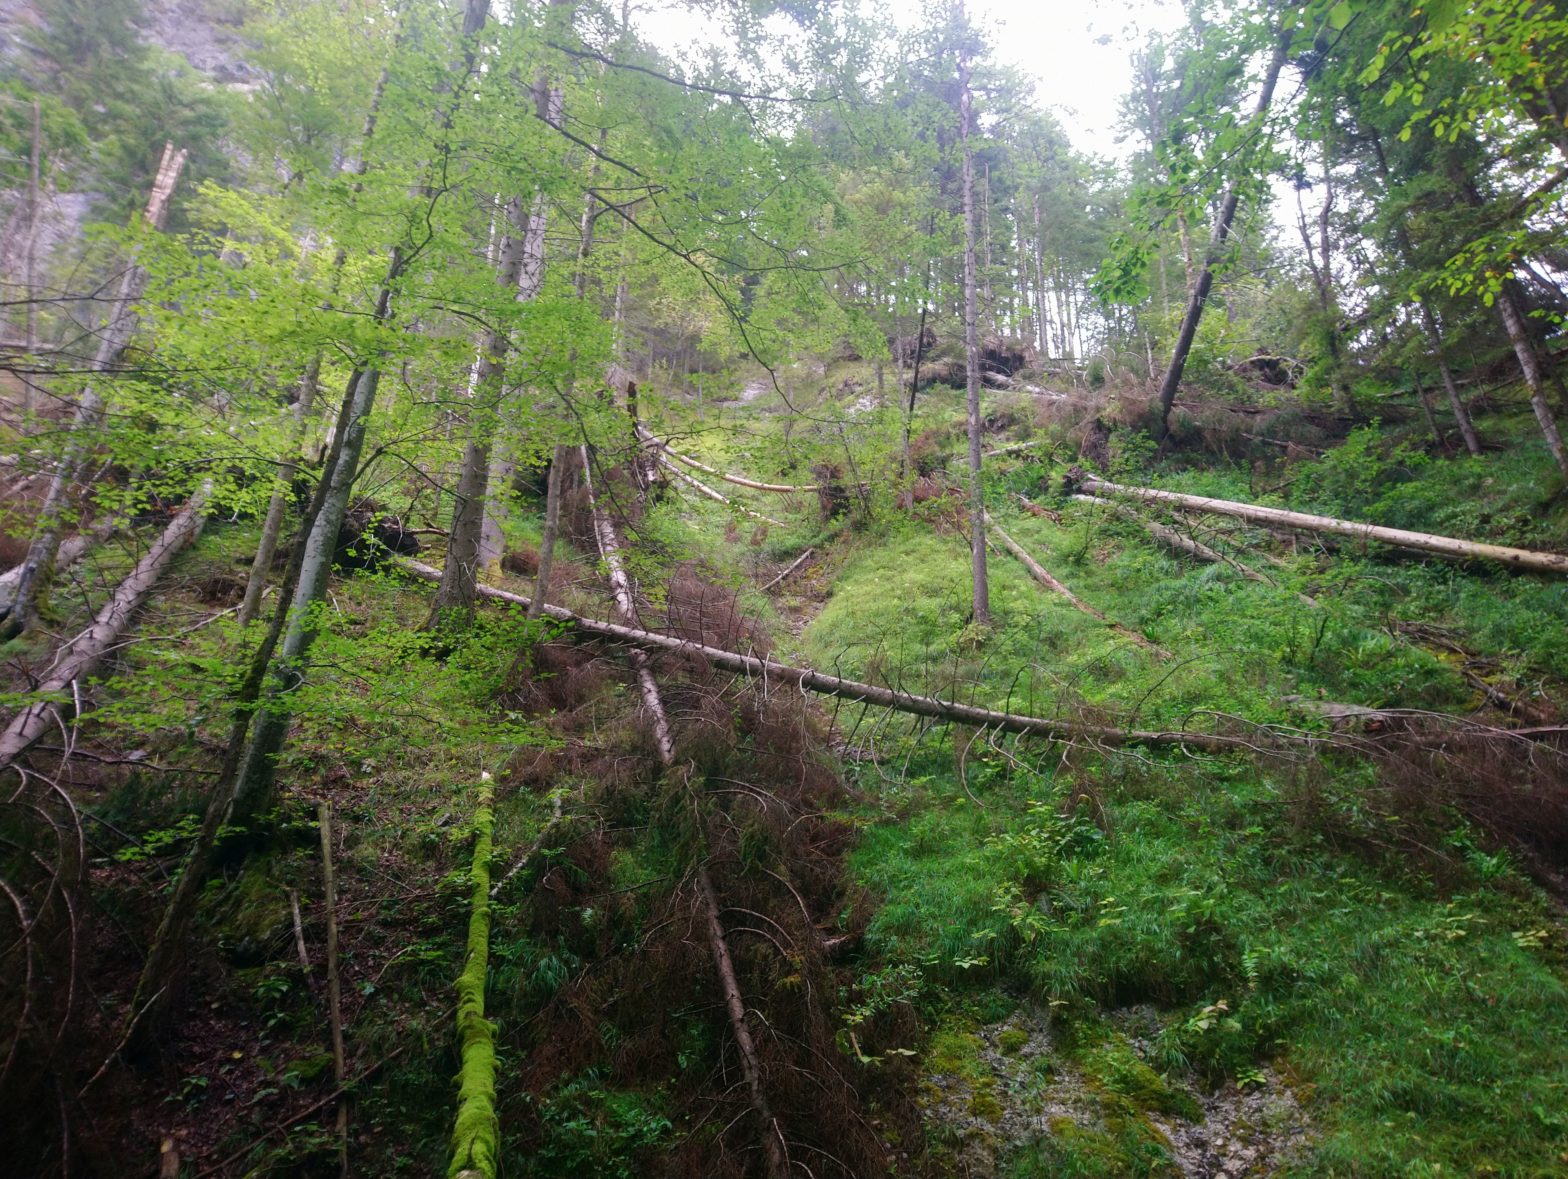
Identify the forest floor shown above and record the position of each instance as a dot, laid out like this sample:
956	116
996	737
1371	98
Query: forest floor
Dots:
1061	959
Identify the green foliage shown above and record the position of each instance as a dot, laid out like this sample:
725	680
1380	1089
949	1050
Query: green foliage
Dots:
592	1129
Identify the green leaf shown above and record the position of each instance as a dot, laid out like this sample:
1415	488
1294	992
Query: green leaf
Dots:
1339	16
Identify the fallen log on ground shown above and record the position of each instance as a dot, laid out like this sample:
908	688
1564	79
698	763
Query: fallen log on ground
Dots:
1447	546
71	550
476	1132
807	680
774	1150
718	497
1183	543
1039	573
738	480
81	656
793	565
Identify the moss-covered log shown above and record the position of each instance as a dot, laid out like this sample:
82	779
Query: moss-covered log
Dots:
476	1135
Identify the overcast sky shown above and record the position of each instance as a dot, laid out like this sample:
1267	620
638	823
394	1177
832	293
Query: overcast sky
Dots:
1077	50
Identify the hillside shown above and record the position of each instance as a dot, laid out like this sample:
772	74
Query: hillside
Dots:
569	612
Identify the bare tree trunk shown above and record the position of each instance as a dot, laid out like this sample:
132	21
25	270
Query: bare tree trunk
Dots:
1456	403
809	680
272	526
1200	291
114	337
1447	546
1041	575
552	528
1530	365
30	254
464	543
977	554
79	658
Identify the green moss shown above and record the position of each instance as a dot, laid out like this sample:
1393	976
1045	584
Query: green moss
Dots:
1074	1151
984	1104
1116	1069
476	1134
1012	1041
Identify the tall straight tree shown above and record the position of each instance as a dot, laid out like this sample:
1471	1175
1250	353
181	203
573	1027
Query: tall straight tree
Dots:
977	560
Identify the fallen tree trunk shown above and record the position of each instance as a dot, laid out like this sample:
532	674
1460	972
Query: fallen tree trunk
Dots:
620	585
793	565
81	656
1535	562
1041	575
71	550
738	480
476	1133
1182	543
703	489
807	680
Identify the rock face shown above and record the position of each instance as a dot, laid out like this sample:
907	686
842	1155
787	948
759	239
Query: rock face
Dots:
206	34
1003	1096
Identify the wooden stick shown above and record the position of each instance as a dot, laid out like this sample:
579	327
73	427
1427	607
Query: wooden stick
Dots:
807	680
1447	546
738	480
794	565
334	979
1039	573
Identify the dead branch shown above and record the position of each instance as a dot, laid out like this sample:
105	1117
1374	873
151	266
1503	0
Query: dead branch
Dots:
1447	546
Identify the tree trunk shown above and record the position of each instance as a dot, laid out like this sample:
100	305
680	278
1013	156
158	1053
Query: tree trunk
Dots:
465	540
1530	365
1200	290
808	680
1512	558
476	1133
1040	574
977	555
272	526
552	528
81	657
37	567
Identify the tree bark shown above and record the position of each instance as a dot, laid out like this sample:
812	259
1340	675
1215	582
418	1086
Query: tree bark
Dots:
1199	297
272	526
476	1132
1512	558
38	566
79	658
1530	365
1041	575
977	554
807	680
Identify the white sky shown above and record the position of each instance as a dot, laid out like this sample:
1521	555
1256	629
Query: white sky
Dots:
1077	50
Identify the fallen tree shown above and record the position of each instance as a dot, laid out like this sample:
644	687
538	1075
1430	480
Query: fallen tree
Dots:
807	680
1182	543
704	490
1447	546
738	480
775	1151
1041	575
476	1133
80	657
